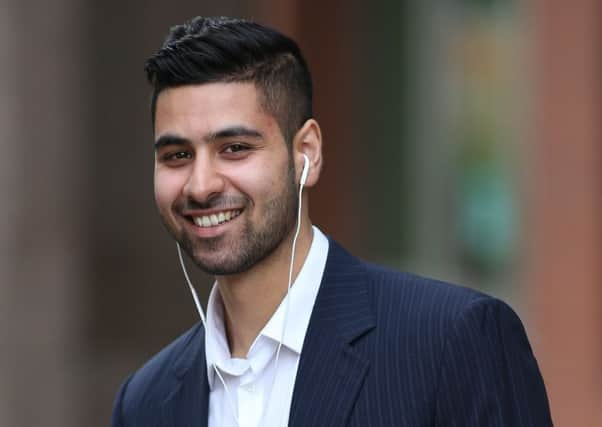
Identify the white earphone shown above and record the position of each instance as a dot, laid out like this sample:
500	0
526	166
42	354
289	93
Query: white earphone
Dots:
305	170
304	174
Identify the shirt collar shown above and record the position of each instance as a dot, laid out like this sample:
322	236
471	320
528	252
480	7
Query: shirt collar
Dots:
301	299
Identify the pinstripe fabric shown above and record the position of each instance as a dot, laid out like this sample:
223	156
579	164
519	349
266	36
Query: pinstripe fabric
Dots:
383	349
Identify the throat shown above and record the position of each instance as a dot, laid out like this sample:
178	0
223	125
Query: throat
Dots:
248	307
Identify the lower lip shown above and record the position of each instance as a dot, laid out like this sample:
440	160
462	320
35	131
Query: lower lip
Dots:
213	231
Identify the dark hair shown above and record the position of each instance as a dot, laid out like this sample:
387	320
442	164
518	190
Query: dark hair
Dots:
221	49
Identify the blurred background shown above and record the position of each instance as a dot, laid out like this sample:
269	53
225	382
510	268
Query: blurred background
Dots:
462	142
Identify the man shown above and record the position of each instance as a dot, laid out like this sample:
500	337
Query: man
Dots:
298	331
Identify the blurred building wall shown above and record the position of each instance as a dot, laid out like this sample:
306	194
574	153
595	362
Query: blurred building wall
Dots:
564	276
43	239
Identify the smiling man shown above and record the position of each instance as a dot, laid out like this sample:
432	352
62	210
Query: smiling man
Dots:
298	331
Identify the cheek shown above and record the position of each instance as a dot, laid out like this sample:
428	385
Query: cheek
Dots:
168	187
260	180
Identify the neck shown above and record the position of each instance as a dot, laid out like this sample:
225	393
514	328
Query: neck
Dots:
251	298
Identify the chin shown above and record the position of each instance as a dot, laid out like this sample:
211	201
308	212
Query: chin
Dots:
222	268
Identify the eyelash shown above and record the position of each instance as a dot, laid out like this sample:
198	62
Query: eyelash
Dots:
235	148
177	156
230	149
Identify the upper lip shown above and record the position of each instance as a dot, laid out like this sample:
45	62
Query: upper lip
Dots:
207	212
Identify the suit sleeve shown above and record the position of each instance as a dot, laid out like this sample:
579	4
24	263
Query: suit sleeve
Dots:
117	416
489	376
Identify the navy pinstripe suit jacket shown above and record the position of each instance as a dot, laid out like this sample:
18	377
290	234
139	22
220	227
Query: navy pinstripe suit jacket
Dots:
382	349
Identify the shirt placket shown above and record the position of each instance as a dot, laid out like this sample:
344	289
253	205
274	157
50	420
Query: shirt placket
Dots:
250	401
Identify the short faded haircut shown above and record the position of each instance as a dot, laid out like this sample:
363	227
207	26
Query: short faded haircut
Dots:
221	49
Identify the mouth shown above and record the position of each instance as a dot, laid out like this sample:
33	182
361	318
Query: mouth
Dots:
215	219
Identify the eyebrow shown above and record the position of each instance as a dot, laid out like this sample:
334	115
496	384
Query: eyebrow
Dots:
229	132
233	132
166	140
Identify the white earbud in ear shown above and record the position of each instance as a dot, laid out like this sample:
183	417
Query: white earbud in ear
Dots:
305	171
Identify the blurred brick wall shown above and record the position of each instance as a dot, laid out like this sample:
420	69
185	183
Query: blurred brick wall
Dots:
565	202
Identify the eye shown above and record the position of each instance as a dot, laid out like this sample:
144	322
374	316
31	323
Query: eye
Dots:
181	155
176	156
236	151
235	148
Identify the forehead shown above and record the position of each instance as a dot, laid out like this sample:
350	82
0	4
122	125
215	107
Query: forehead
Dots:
199	109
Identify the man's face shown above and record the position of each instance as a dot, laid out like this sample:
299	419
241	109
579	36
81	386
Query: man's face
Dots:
224	182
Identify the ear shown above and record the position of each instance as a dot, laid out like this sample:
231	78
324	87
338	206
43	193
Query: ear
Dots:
308	141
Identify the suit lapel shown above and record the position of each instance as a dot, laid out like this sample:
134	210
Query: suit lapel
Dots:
331	372
187	402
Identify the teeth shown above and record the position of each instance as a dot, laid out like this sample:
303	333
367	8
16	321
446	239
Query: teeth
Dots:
215	219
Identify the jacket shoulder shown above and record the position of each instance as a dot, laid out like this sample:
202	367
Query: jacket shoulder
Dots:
428	307
420	295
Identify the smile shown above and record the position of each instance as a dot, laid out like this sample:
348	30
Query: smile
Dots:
215	219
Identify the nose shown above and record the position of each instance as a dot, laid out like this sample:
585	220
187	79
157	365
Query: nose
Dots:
204	181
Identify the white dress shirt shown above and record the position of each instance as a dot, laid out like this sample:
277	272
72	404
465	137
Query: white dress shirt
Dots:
255	384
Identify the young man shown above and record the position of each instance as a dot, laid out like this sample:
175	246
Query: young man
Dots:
298	331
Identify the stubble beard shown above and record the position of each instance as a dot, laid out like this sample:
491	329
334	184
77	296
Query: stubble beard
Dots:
250	246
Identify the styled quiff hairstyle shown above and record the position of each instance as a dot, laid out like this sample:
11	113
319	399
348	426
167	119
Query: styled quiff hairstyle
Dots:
221	49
